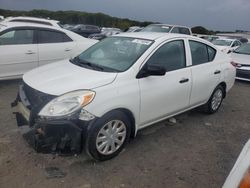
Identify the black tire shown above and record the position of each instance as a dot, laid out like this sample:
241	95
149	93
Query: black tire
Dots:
91	141
208	107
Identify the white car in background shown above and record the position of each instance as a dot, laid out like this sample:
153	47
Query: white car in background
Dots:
24	46
27	19
166	28
120	85
241	57
227	45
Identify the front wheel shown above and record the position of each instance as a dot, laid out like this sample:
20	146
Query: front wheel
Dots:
215	100
108	136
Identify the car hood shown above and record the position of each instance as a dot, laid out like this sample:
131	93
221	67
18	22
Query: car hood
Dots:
241	58
63	76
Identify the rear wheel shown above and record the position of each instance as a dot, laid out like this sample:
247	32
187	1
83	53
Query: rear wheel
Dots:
108	136
215	100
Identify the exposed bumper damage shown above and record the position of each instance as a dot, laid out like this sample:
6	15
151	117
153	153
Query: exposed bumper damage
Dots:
47	135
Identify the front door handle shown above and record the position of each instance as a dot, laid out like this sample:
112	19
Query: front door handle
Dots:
183	80
217	72
29	52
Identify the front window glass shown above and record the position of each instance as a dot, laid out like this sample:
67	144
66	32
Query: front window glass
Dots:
222	42
157	28
17	37
244	49
113	53
171	56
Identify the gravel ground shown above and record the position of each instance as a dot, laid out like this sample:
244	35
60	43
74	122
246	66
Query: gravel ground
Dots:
197	151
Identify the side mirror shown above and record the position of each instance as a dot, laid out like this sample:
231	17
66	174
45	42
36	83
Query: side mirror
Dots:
151	70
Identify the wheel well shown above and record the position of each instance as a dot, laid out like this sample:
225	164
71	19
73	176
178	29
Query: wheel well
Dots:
130	115
223	84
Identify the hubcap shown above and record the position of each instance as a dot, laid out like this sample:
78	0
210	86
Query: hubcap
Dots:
111	137
216	100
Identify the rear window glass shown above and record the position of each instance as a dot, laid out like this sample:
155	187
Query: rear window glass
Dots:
52	37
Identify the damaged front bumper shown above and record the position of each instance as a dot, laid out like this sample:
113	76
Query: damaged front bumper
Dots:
62	136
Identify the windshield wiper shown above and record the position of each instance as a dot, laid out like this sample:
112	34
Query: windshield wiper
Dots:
86	64
83	63
92	65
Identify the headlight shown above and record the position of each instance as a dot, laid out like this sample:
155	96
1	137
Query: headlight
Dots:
67	104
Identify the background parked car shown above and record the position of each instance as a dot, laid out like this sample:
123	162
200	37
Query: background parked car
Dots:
24	46
68	26
105	32
86	30
27	19
226	45
241	57
166	28
134	29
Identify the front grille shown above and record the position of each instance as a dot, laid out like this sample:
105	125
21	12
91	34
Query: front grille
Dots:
37	101
243	73
35	97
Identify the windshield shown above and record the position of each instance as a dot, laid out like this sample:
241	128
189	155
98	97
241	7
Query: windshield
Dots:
157	28
115	54
243	49
222	42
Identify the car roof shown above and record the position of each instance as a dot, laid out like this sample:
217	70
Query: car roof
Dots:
26	24
31	18
153	35
169	25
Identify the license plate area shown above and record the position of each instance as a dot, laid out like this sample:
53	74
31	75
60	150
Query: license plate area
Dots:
23	110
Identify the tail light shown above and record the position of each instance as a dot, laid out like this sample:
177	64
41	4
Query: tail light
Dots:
245	182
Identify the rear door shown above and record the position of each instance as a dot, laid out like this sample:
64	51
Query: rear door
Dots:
206	72
18	52
54	46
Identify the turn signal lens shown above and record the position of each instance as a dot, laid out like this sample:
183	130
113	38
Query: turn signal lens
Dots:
87	99
245	182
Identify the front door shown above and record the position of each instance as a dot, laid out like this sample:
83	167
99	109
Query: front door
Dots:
162	96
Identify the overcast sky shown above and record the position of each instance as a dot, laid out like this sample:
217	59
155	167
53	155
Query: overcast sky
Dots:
212	14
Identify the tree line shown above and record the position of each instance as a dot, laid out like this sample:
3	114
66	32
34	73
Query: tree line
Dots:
99	19
77	17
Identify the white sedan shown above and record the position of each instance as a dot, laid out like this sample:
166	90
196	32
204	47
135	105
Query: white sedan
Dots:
227	45
241	57
118	86
24	46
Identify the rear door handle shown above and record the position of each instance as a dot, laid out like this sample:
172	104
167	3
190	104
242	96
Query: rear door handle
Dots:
217	72
183	80
29	52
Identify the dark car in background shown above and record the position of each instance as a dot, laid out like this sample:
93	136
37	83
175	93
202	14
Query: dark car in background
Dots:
86	30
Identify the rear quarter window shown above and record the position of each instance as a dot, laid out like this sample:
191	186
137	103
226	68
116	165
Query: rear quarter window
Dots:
201	53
